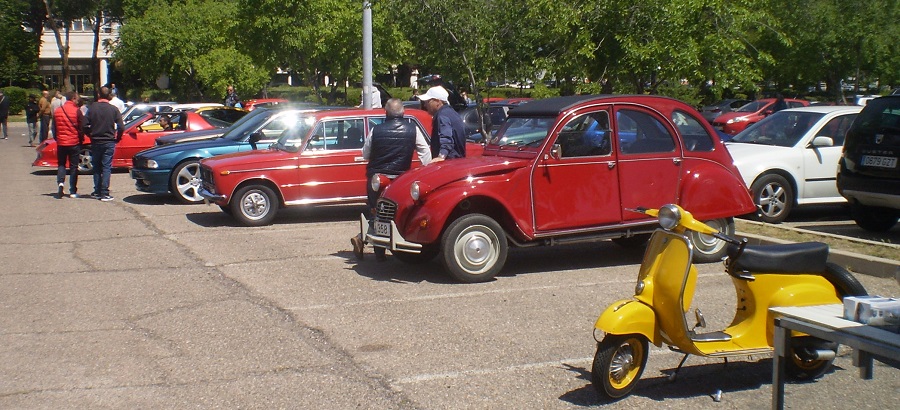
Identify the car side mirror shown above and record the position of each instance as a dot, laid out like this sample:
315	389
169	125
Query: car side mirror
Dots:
822	141
255	137
556	151
768	112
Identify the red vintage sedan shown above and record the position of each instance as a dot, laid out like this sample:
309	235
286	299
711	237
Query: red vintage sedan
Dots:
317	160
139	135
563	170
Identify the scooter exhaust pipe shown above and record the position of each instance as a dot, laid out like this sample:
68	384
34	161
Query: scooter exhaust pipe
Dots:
816	354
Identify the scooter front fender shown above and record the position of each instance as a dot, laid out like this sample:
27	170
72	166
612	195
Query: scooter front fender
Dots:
629	316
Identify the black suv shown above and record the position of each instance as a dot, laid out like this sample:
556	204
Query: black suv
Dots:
869	172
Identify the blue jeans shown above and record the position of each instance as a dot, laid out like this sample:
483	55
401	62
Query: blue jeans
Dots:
101	160
32	132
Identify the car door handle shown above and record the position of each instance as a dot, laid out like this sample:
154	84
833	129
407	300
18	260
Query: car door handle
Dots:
611	164
676	161
359	159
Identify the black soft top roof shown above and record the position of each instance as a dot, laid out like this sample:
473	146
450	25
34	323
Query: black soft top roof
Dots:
550	107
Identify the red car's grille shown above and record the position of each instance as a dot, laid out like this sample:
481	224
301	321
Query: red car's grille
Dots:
385	210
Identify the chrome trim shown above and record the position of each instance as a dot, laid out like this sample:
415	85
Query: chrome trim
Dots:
395	243
209	196
327	200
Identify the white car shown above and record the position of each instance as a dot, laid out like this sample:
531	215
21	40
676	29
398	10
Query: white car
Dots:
790	158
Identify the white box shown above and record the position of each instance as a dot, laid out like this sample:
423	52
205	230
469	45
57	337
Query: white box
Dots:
853	305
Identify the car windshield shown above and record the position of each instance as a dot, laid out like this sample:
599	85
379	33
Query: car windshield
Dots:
247	124
753	106
292	139
783	129
523	131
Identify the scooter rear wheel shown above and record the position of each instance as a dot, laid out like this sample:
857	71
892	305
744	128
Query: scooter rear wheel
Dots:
801	368
618	364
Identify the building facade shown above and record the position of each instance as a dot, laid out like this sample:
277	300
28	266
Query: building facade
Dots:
81	43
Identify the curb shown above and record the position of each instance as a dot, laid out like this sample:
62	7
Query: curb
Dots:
854	262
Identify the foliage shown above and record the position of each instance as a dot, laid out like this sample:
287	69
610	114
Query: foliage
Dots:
192	42
18	97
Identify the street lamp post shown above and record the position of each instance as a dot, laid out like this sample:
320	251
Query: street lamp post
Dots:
367	54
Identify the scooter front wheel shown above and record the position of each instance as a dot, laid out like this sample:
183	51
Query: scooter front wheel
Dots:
618	364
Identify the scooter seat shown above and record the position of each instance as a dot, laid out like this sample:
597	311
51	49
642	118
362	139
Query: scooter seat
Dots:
803	257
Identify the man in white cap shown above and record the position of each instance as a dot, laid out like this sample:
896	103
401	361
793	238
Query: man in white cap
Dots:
448	135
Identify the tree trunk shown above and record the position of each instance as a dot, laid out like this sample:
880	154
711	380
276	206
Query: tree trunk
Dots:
63	48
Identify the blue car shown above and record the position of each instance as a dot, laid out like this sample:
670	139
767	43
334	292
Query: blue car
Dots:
175	168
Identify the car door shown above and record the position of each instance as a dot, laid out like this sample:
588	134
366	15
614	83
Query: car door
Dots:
328	169
578	186
819	163
270	131
649	160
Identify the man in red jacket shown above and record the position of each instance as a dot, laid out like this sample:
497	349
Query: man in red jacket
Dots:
67	120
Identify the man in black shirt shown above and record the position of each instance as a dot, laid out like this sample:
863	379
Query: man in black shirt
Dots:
105	127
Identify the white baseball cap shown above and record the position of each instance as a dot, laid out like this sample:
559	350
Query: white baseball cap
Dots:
436	92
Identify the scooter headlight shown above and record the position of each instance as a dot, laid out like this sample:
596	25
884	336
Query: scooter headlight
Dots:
669	216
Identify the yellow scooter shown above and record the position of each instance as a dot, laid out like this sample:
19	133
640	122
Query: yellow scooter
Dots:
764	276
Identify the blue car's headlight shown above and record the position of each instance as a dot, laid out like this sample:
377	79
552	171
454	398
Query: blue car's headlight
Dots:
152	164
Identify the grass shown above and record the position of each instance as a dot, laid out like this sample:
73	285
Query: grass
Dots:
771	231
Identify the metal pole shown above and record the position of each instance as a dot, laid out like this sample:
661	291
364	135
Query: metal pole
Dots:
367	54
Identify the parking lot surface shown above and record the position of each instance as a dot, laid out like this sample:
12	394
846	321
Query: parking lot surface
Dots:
146	303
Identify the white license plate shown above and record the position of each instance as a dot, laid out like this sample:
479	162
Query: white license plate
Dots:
880	162
382	228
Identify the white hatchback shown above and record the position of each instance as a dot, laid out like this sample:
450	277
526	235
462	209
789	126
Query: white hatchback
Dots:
790	158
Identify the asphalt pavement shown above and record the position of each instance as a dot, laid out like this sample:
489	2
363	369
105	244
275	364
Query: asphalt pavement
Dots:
146	303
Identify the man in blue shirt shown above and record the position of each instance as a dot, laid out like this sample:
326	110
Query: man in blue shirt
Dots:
448	136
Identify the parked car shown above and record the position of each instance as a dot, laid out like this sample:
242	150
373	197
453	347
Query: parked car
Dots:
218	132
175	168
318	160
495	115
138	110
789	158
868	173
224	115
253	104
564	170
139	135
734	122
710	112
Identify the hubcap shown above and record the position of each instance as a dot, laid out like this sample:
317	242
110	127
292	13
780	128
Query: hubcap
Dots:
622	363
254	205
772	199
476	249
188	182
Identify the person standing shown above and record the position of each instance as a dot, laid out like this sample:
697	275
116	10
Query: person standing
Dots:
31	118
231	98
56	102
44	112
4	114
69	133
389	148
116	101
106	128
448	136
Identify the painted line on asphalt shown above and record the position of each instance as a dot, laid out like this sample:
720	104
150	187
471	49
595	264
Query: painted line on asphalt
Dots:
463	294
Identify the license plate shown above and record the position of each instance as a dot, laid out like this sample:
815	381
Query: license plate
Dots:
880	162
382	228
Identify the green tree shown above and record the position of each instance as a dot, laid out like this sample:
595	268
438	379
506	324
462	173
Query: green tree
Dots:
179	38
20	26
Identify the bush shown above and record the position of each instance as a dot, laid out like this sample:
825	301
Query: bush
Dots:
18	97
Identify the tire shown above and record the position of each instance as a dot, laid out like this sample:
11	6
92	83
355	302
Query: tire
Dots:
635	241
618	364
707	248
774	198
428	253
873	218
254	205
184	182
85	161
845	283
800	369
474	248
